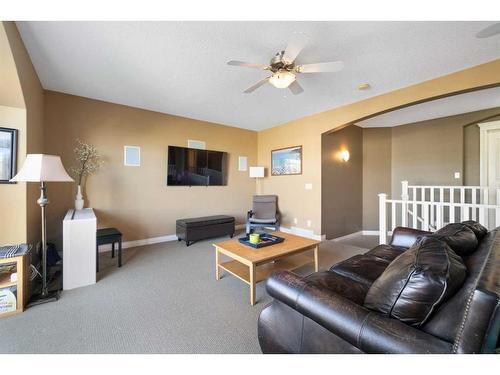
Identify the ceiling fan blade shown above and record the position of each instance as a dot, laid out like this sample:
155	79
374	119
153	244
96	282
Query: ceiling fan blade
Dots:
294	46
295	88
333	66
489	31
247	65
256	86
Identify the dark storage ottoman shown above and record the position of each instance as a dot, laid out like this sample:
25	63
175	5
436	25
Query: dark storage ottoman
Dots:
200	228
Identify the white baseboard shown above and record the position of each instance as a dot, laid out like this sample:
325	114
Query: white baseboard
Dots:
136	243
308	233
150	241
347	236
374	232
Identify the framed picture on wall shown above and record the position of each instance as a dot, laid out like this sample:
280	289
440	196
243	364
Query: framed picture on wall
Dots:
286	161
8	154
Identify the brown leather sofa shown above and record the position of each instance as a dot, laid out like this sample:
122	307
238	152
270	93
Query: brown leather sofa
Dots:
329	312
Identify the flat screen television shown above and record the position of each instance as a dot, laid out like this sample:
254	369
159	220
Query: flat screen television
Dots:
192	167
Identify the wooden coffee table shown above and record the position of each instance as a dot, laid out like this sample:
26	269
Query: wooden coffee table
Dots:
253	265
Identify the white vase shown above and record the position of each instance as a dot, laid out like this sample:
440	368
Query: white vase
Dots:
79	199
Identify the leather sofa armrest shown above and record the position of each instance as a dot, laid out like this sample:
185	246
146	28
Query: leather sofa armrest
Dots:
405	237
369	331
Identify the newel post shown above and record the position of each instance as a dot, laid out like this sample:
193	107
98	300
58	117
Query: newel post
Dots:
404	190
382	219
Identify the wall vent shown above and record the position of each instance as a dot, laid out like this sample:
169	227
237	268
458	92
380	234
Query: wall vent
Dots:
197	144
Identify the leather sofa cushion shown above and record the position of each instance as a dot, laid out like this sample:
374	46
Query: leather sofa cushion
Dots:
459	237
478	229
339	284
406	237
417	281
386	252
363	269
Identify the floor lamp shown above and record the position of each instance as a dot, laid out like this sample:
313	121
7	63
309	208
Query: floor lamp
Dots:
43	168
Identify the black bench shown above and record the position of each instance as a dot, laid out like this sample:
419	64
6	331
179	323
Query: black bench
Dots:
201	228
109	236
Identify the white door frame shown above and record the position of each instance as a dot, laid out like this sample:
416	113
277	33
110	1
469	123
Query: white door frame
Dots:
484	128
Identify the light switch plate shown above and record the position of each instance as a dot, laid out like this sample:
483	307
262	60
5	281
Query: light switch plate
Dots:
309	186
457	175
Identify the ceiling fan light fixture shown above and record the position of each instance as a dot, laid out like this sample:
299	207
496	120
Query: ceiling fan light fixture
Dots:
282	79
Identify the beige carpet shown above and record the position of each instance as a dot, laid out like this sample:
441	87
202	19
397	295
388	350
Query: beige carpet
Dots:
163	300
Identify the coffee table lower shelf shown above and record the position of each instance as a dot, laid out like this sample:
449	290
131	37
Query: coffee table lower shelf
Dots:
242	271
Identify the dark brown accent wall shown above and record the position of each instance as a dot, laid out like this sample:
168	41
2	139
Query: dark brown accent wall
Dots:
342	182
377	169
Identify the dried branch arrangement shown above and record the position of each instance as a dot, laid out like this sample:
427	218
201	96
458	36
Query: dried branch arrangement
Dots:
88	158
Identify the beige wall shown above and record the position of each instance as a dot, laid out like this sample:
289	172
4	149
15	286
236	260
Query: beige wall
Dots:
21	107
11	94
13	226
342	182
306	204
136	199
377	168
33	98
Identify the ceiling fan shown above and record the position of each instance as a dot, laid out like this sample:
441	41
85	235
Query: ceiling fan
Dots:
284	69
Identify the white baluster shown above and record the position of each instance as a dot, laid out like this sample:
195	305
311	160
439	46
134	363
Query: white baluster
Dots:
432	207
414	215
483	212
452	208
465	213
462	194
382	220
474	200
425	214
393	215
404	213
439	216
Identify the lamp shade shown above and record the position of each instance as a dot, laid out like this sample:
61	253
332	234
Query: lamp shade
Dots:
40	167
256	172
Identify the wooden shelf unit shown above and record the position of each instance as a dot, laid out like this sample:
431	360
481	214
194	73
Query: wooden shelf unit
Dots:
22	263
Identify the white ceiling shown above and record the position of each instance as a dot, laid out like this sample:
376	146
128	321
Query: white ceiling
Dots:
453	105
180	67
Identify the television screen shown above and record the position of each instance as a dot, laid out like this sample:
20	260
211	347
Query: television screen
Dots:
191	167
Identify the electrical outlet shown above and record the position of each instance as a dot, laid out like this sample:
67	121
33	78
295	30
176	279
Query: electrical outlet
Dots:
308	223
457	175
295	221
